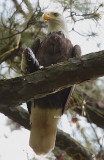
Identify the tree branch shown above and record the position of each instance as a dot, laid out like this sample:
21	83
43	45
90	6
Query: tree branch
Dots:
72	147
17	114
41	83
19	8
94	108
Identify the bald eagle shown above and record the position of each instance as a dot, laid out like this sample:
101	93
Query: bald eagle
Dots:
46	112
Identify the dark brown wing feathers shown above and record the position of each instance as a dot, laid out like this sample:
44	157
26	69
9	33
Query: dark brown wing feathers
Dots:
54	48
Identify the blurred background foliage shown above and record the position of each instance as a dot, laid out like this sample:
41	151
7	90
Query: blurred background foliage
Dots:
21	22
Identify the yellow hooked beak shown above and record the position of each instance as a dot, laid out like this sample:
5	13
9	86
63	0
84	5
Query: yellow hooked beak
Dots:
47	16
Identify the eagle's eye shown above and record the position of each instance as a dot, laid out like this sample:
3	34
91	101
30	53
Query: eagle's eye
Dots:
55	14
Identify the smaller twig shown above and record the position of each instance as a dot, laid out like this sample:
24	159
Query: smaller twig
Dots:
97	138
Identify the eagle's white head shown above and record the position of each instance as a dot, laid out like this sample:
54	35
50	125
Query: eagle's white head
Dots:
56	22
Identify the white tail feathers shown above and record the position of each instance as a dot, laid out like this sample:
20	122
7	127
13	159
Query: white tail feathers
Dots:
43	129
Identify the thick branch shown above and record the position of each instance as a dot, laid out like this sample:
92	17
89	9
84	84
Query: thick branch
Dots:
17	114
72	148
18	90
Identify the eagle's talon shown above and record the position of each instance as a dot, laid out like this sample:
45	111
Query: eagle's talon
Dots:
41	67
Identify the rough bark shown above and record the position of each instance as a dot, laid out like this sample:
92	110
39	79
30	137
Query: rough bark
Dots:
72	147
18	90
63	140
